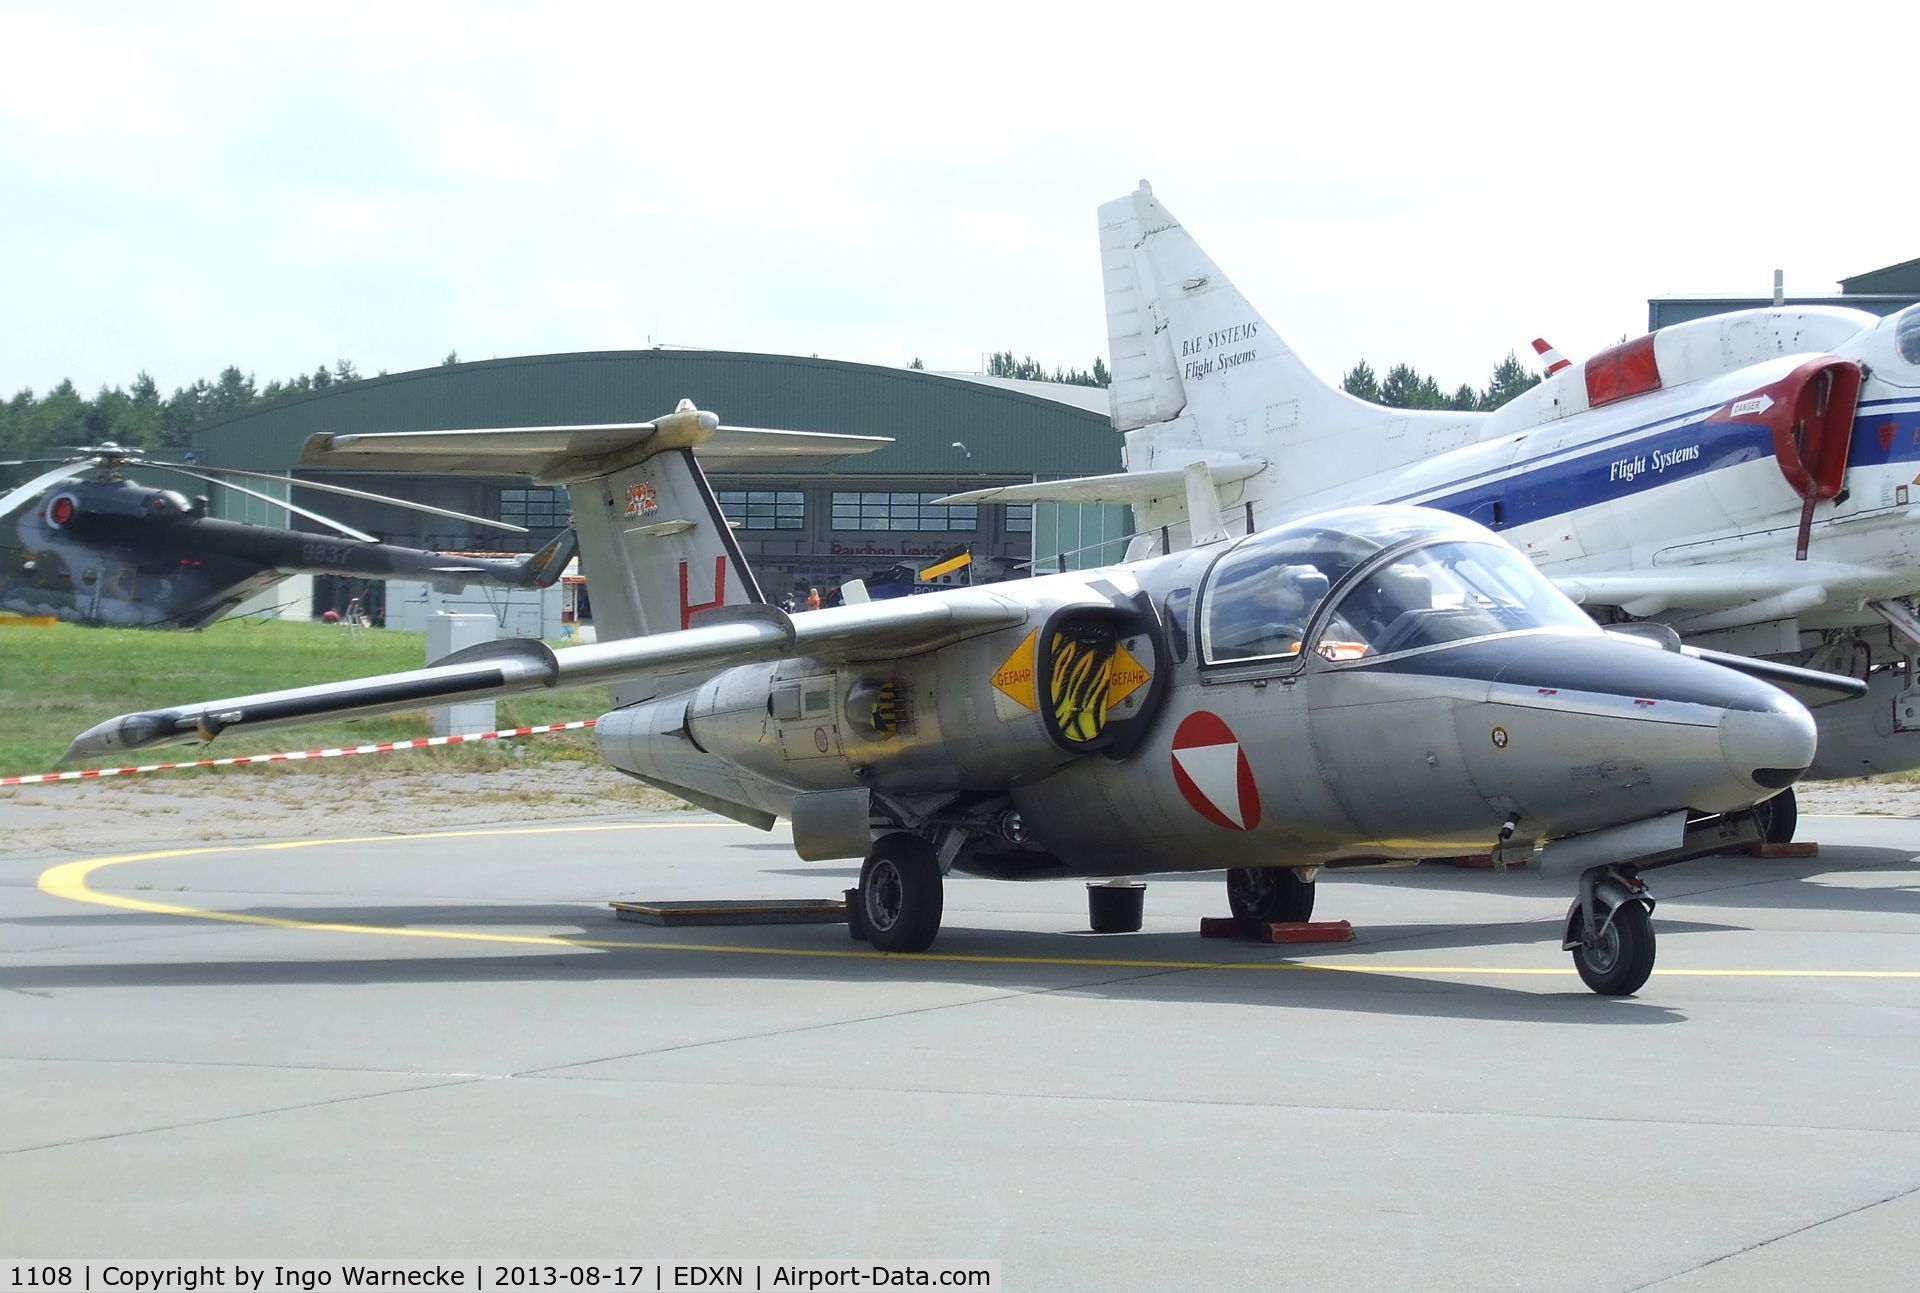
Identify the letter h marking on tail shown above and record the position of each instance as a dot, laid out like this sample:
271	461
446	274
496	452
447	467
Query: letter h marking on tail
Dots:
719	591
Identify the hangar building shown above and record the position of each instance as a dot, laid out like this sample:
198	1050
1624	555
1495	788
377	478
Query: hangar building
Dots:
1881	291
800	527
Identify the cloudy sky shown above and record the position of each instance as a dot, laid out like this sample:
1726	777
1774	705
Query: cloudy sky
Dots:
186	186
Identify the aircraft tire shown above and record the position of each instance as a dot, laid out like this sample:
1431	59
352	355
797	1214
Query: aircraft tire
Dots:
1268	895
901	894
856	927
1619	964
1779	816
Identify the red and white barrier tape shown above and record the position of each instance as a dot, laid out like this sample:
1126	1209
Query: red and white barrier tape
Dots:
294	756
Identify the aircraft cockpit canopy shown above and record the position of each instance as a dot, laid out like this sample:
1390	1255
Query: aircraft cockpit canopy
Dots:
1906	334
1264	596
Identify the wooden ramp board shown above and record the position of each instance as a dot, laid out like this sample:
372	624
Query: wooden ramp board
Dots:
1793	850
1308	931
753	911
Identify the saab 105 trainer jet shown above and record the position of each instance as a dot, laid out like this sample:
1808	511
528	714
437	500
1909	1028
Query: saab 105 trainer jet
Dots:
1362	687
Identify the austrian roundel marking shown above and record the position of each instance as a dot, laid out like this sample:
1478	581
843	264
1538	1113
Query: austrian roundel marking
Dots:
1213	774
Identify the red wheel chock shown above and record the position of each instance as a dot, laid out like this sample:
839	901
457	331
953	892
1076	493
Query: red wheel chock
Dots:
1793	850
1304	931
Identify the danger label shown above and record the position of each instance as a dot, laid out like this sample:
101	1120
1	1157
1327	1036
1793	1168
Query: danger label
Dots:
1014	678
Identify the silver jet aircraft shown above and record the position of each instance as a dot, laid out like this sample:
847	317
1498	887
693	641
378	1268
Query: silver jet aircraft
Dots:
1366	686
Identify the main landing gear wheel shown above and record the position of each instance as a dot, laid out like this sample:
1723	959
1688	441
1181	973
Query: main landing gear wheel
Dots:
901	895
1617	963
1268	895
1778	817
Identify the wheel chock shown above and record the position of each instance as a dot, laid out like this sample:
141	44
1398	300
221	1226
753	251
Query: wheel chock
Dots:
1299	931
800	911
1792	850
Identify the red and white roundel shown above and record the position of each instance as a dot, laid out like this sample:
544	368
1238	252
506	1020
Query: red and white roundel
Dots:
1213	773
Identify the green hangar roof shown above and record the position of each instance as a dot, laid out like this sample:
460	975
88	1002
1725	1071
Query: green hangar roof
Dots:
1008	432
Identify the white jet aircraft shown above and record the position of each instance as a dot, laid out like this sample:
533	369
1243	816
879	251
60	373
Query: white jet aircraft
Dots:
1747	480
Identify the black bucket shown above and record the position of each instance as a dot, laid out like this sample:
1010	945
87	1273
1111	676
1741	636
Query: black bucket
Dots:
1116	909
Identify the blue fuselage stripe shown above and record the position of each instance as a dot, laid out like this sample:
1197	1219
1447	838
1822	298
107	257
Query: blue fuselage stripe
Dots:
1648	457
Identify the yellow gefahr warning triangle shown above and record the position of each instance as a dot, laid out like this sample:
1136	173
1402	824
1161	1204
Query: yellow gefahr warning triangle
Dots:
1127	676
1014	679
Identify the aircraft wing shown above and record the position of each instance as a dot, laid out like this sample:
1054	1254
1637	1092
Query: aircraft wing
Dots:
1118	487
570	452
727	636
1715	587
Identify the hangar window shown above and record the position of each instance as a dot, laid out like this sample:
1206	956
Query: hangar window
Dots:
1019	518
895	510
537	509
764	509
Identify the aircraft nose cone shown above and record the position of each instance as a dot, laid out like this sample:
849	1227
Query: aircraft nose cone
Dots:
1768	749
1711	739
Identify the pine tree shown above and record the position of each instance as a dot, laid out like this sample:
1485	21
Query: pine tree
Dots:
1001	363
1361	383
234	393
1401	389
1510	377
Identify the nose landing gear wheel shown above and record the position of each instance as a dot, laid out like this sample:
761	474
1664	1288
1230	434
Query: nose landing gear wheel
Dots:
1618	962
901	894
1268	895
1778	817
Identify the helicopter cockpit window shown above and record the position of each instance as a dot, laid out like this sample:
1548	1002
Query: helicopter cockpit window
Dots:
1262	594
1906	334
1443	594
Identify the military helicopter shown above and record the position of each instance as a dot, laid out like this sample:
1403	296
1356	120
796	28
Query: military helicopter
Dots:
86	544
1369	686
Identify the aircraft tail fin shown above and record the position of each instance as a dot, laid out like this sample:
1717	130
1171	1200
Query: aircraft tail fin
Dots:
654	546
543	569
1183	341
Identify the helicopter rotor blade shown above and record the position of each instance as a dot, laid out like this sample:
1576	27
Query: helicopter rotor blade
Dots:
428	508
294	508
34	488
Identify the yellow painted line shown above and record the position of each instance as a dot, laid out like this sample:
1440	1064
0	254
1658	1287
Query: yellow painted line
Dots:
70	880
